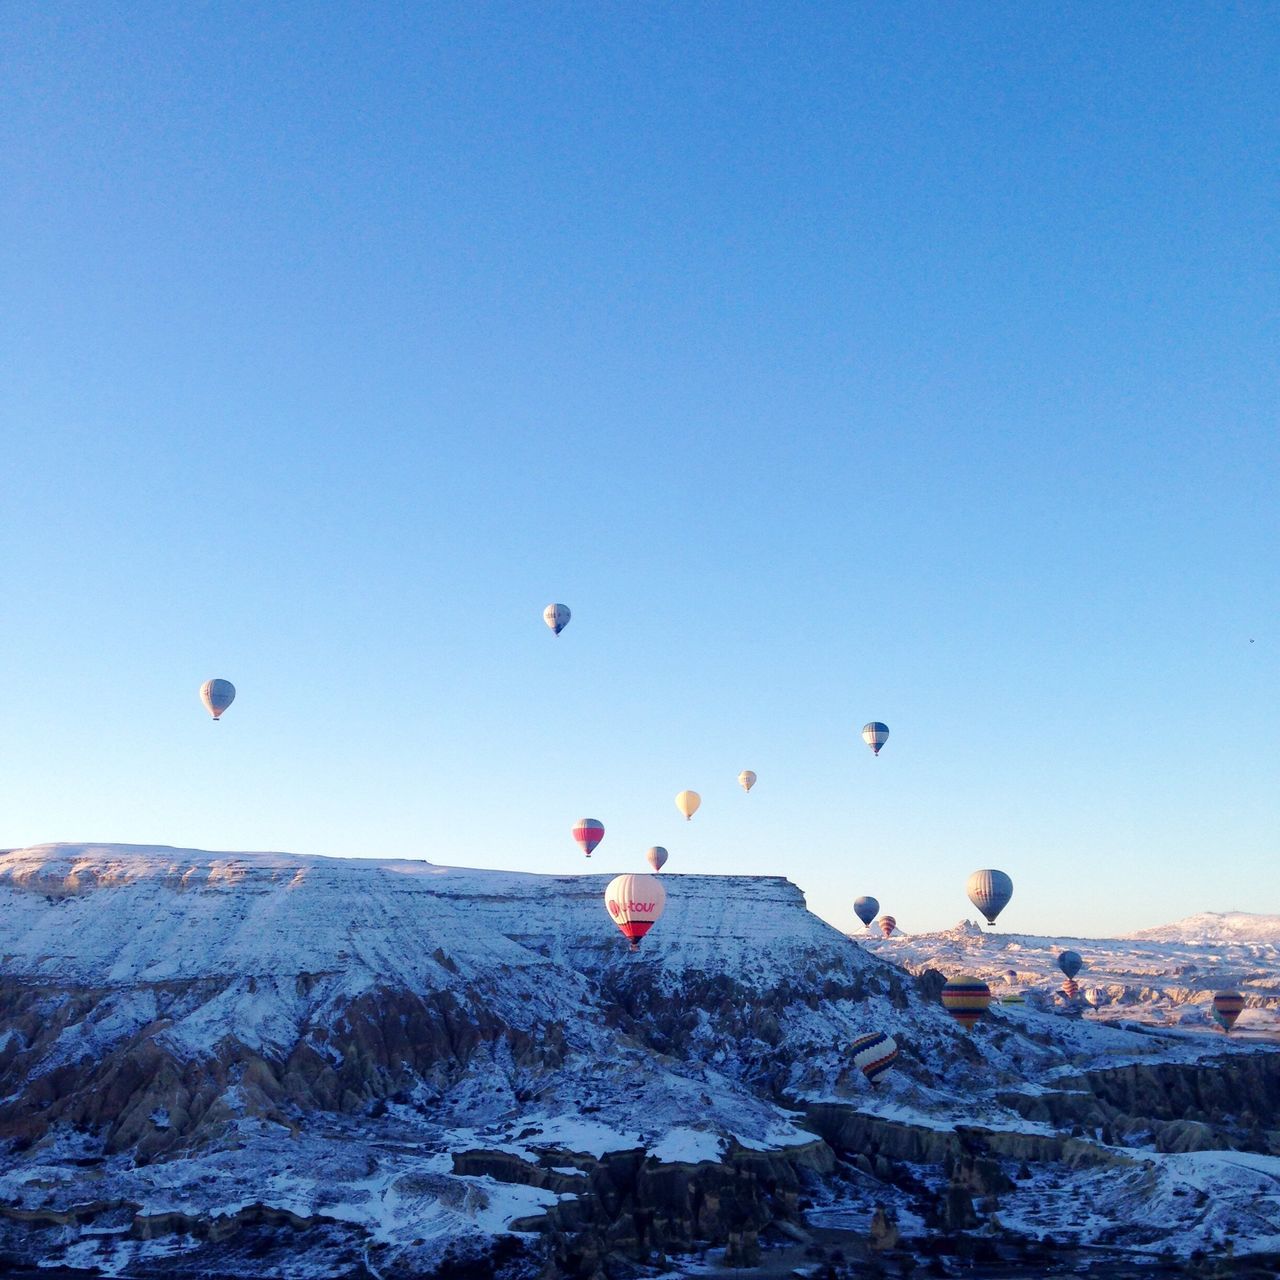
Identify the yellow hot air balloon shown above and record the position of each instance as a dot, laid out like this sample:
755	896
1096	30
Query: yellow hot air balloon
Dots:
687	802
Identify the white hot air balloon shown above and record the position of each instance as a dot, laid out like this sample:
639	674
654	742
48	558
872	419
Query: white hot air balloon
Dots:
746	779
989	890
556	616
217	696
657	857
687	802
635	904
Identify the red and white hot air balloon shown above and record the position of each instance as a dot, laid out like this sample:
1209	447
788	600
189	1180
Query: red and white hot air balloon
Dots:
588	832
887	925
635	903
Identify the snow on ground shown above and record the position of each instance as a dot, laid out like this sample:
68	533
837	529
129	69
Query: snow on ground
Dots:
274	940
1159	977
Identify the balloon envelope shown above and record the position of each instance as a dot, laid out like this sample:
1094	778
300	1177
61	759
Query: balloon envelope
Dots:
887	925
657	857
990	892
875	735
873	1055
1226	1008
687	802
217	696
588	832
635	903
1070	962
556	616
1071	989
966	999
746	779
866	909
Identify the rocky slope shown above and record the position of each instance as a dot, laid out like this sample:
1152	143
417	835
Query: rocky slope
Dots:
276	1064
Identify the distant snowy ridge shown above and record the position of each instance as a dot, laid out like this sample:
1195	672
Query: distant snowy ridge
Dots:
1216	926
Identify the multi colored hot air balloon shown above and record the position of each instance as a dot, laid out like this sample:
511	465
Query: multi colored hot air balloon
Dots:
887	925
875	735
217	696
1096	997
1010	976
1226	1009
746	779
588	832
1070	962
556	616
635	903
657	857
687	802
1071	990
966	999
866	909
873	1055
990	892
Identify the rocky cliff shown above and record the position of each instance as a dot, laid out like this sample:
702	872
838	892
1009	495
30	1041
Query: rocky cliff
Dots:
217	1060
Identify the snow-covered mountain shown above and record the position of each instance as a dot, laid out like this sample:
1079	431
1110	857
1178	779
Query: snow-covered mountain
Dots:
1209	927
279	1064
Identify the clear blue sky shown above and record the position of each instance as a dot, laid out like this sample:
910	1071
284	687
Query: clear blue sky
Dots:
832	362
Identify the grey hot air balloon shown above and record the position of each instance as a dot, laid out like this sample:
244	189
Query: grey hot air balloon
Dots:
556	616
657	857
990	892
875	735
866	909
1070	962
217	696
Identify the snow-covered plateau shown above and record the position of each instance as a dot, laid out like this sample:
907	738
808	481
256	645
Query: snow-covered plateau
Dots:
251	1065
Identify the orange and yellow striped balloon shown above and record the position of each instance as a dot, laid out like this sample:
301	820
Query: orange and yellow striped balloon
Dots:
966	999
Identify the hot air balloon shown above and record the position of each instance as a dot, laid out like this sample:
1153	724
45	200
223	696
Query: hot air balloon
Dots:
875	735
1226	1009
687	802
887	925
1010	976
746	779
556	616
635	903
966	1000
990	892
1070	962
1096	997
873	1055
866	909
657	857
217	696
588	833
1071	990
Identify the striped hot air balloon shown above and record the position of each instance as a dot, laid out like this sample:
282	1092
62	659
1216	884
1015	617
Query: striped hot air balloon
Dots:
746	779
1226	1009
1071	990
556	616
635	903
1070	962
873	1055
875	735
990	892
887	925
656	857
966	999
588	832
217	696
866	909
